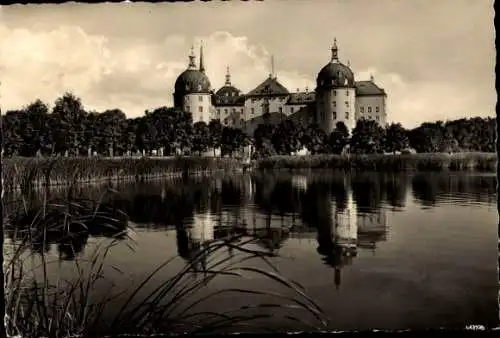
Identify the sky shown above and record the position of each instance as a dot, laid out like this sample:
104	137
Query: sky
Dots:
434	58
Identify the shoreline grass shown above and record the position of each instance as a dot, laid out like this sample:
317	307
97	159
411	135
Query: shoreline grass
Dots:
380	162
21	173
36	305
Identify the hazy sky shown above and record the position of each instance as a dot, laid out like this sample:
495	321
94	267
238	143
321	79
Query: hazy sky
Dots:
435	58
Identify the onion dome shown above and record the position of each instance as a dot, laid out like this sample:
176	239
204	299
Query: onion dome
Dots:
193	80
335	74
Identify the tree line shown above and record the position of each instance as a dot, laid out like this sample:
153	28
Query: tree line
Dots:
68	129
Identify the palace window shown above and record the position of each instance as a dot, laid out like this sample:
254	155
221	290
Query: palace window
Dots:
334	93
378	119
200	98
280	109
225	111
227	94
347	115
362	109
369	109
225	121
334	103
377	109
291	110
347	103
334	115
200	109
252	110
346	93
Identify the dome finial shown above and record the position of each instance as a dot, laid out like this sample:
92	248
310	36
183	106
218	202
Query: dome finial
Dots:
335	50
192	57
202	66
372	78
228	77
348	63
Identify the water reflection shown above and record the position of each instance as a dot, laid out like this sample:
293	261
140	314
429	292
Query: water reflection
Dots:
342	213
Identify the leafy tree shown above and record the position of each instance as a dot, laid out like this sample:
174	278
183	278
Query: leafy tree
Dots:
396	138
112	124
367	138
315	139
286	137
69	119
201	137
232	140
263	139
215	128
12	132
338	138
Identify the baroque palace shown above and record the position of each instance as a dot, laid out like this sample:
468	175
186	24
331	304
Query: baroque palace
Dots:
337	98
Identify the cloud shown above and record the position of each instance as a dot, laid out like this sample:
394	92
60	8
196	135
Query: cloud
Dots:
137	74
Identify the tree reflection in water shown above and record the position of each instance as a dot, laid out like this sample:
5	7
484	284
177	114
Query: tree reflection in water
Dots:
336	209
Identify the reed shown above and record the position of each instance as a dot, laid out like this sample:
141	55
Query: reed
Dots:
37	172
380	162
36	305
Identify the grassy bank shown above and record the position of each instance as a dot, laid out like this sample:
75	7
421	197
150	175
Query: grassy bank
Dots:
379	162
22	172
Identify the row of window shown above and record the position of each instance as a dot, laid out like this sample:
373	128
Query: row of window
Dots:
200	98
252	110
362	109
200	109
281	99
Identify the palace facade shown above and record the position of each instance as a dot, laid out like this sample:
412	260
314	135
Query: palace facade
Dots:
338	97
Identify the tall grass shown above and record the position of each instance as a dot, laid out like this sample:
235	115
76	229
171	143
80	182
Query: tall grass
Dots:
36	305
19	173
380	162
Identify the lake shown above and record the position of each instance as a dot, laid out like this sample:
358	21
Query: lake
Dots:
374	250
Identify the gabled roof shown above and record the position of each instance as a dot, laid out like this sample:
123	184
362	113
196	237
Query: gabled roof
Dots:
270	86
368	88
302	98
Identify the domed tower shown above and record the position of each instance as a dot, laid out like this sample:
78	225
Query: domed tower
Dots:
335	94
229	103
192	91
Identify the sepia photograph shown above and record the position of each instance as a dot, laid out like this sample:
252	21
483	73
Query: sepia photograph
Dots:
277	166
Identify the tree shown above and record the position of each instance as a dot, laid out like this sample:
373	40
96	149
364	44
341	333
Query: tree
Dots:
12	132
263	139
201	137
315	139
396	138
338	138
69	120
286	137
215	128
367	138
112	124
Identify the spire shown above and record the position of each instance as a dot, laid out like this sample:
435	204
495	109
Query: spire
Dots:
335	50
192	57
228	77
271	74
202	66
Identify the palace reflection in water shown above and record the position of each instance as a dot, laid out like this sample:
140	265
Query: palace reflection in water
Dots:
391	244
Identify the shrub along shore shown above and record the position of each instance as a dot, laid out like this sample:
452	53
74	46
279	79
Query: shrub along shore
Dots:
379	162
19	173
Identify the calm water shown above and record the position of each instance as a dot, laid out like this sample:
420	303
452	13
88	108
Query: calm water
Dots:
423	248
